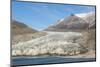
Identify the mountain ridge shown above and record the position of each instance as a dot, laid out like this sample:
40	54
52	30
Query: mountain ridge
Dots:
21	28
74	22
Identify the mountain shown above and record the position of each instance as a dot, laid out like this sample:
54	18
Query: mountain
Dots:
92	20
89	18
21	28
74	21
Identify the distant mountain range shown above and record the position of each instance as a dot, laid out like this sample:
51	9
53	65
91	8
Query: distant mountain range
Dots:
74	21
20	28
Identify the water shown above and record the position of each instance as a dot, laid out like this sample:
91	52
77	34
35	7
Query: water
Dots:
47	60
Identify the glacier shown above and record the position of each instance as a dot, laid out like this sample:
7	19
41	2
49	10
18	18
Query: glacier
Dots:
55	43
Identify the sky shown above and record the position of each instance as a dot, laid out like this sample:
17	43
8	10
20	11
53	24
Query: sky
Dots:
40	15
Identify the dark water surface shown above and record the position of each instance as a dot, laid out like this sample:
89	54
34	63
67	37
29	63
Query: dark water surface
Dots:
47	60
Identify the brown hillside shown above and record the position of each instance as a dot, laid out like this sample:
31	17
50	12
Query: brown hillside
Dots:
21	28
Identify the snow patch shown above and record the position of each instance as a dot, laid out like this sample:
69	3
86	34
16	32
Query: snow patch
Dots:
82	15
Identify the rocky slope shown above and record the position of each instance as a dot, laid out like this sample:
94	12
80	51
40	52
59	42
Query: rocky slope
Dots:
89	18
74	21
20	28
21	32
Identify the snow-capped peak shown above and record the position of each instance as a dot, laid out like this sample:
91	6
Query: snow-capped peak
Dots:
82	15
60	21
